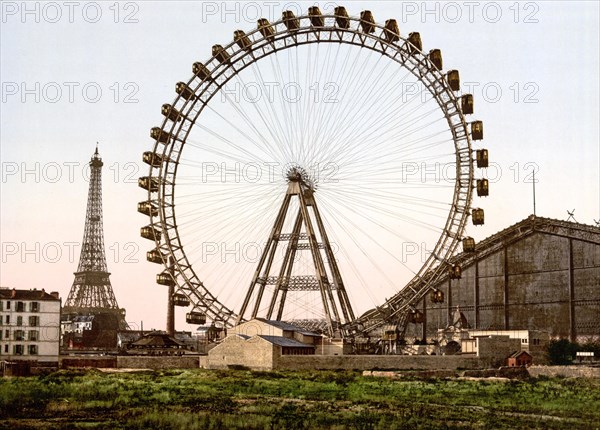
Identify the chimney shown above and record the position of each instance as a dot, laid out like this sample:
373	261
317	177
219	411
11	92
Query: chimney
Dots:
14	293
55	294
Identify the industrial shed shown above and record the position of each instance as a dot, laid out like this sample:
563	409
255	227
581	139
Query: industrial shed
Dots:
259	343
264	327
539	274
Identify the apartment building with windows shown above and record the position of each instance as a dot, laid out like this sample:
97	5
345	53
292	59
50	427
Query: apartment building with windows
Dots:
29	325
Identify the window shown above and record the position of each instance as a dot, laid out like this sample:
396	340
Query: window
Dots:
34	321
19	335
6	348
19	320
18	349
7	334
7	320
34	307
32	349
20	307
33	335
8	304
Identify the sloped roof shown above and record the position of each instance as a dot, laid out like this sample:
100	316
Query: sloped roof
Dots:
288	327
522	229
183	336
157	340
312	326
528	226
284	341
517	354
128	336
14	294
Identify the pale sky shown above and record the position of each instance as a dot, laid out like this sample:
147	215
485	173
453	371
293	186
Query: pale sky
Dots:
75	75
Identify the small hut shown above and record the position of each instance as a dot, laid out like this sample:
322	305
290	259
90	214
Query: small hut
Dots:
519	359
157	343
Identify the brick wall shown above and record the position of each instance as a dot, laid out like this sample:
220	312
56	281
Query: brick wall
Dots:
133	362
366	362
152	362
97	362
565	371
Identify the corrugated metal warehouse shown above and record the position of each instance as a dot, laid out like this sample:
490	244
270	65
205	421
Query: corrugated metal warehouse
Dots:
539	274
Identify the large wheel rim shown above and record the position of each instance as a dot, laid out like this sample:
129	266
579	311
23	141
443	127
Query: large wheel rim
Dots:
400	51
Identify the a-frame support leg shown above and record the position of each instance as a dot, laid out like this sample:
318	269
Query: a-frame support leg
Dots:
315	231
324	287
335	271
286	269
267	256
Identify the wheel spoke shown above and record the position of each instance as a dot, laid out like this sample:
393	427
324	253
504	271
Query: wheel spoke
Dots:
382	158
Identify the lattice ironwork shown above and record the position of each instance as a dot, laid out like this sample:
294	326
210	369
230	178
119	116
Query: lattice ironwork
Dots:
92	291
336	307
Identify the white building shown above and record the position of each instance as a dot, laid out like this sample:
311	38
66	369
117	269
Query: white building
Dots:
535	342
532	341
29	325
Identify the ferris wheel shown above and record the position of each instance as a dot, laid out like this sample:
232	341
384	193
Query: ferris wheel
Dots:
320	167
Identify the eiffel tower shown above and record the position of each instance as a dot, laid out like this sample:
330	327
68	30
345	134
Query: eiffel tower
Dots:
308	234
91	292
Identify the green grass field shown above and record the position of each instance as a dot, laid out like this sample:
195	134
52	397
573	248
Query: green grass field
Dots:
239	399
